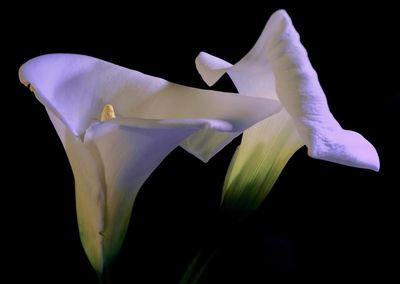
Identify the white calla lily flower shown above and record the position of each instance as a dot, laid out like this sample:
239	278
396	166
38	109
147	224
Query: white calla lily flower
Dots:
278	68
117	125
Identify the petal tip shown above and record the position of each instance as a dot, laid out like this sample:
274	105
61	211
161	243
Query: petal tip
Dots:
21	75
280	13
211	68
344	147
375	164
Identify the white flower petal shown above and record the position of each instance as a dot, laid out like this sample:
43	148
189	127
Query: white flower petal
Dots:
129	153
211	68
110	166
251	77
76	88
89	192
112	151
301	94
205	143
278	67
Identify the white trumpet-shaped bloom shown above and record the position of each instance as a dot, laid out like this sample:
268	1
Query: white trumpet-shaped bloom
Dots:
278	68
117	125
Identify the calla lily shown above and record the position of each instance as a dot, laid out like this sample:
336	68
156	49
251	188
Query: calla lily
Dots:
117	125
278	68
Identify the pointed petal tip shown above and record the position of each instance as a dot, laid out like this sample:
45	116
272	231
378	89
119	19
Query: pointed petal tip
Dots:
280	13
369	161
345	147
376	168
211	68
375	164
204	157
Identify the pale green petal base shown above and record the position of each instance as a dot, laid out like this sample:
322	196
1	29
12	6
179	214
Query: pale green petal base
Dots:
258	162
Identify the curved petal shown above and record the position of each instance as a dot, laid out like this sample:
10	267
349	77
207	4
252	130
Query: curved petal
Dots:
110	166
211	68
65	84
177	101
278	67
89	193
148	117
301	94
77	87
129	151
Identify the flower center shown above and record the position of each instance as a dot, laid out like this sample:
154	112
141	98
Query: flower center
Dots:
107	112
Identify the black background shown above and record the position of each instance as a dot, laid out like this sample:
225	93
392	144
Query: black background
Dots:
321	221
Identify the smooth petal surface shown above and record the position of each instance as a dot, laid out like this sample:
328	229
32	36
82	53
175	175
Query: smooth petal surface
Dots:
117	125
77	87
110	166
278	68
89	192
129	153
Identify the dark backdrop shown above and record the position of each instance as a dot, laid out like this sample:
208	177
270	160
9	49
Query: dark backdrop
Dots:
321	220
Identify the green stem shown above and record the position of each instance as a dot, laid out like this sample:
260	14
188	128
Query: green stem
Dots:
197	267
227	227
104	278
